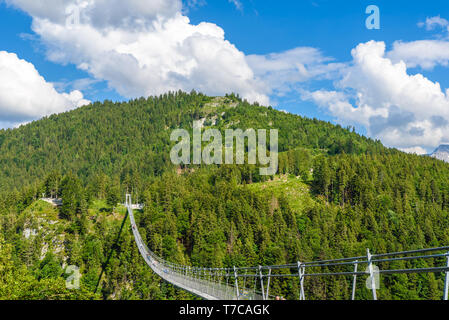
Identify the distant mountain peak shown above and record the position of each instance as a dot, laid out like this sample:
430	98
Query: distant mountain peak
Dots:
441	153
443	147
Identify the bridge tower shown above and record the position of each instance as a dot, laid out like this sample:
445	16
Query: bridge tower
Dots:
128	200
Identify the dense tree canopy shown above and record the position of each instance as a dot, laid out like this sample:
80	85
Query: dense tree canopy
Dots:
335	194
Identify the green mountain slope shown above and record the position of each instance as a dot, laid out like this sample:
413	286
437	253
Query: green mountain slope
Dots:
336	194
133	138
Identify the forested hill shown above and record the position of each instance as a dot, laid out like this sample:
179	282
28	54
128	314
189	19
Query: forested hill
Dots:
336	194
132	138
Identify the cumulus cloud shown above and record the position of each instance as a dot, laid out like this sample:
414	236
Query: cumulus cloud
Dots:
415	150
425	54
25	95
340	106
422	53
101	13
402	110
147	47
142	47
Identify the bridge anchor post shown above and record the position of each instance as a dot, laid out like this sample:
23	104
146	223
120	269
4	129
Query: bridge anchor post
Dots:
268	285
128	201
371	274
354	281
446	281
301	271
261	282
236	283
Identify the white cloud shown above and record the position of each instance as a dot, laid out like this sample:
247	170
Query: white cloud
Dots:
402	110
144	47
415	150
423	53
338	103
101	13
25	95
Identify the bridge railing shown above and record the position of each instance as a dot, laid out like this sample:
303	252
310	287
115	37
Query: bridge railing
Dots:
253	283
374	266
199	281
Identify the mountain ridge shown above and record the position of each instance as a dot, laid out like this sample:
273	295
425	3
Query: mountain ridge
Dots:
441	153
128	137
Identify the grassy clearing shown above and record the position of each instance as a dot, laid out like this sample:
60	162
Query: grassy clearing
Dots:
44	210
294	190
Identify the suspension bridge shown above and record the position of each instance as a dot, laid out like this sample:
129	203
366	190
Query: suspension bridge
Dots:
253	283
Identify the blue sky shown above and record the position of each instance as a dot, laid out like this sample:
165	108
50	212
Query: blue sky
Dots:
334	26
311	57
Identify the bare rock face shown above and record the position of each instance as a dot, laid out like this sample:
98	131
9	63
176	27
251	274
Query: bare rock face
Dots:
441	153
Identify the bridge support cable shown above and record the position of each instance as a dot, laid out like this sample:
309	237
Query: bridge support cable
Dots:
114	246
181	276
217	284
261	282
